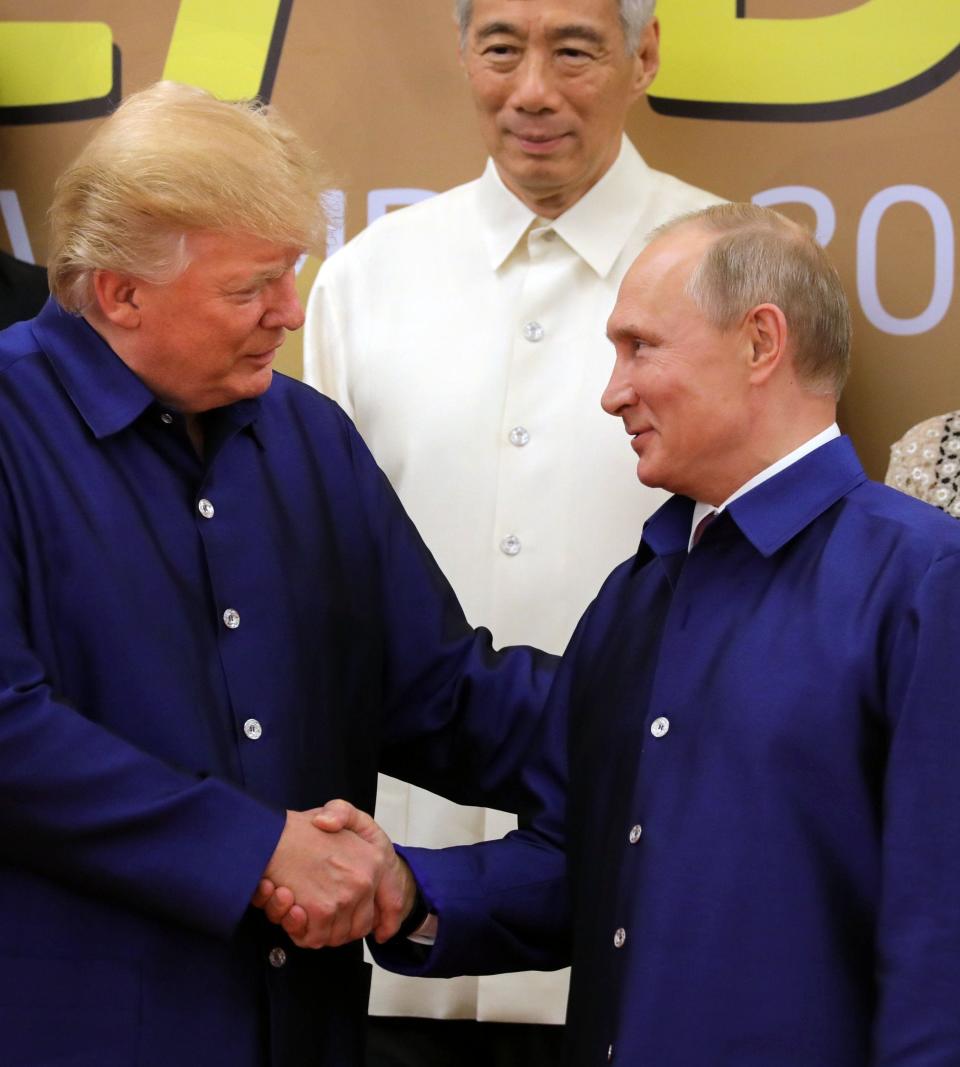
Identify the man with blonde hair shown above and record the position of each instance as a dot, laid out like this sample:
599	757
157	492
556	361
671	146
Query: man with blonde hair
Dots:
757	715
464	335
214	615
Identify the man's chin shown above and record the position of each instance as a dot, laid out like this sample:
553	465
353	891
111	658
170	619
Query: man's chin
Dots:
260	382
251	386
648	475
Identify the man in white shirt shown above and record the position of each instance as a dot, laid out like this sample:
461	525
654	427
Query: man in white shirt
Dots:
464	336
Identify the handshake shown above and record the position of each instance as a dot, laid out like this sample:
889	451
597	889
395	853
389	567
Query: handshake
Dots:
335	877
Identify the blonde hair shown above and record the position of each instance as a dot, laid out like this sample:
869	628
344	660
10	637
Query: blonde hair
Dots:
760	257
172	160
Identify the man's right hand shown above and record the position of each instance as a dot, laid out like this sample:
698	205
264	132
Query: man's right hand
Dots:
398	889
331	876
389	904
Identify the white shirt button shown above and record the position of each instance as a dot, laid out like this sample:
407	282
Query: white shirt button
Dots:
660	726
277	957
635	832
619	937
166	418
231	619
253	729
519	436
205	508
533	331
510	545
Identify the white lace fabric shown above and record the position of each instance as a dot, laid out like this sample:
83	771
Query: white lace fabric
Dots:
925	462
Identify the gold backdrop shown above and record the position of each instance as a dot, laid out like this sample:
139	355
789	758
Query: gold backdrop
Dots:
848	109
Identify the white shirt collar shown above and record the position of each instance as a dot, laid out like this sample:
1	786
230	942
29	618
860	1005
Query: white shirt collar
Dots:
596	227
701	509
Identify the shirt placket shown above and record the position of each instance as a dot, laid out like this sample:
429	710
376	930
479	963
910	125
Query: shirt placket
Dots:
527	542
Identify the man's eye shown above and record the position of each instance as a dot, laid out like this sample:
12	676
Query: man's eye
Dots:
500	51
574	55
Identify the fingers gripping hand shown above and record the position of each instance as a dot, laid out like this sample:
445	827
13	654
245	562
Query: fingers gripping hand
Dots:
263	893
280	907
324	883
397	889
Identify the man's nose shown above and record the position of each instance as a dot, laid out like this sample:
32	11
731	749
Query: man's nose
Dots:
534	86
285	308
618	394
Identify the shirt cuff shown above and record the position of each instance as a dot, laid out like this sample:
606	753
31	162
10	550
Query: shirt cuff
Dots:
426	932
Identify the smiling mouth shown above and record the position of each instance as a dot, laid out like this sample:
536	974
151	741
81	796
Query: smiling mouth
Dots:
263	358
537	144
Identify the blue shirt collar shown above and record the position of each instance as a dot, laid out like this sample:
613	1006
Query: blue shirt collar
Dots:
108	395
104	390
771	514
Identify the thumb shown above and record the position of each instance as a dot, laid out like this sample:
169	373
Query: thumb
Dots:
341	815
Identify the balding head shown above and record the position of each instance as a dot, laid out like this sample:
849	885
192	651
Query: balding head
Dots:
758	256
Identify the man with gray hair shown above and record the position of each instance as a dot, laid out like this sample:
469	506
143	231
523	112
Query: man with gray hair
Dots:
757	716
464	336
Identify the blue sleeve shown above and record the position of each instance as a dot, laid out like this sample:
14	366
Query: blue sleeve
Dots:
918	937
84	807
506	905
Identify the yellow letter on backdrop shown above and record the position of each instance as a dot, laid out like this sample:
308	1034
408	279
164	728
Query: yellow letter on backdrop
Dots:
230	47
718	63
53	71
63	71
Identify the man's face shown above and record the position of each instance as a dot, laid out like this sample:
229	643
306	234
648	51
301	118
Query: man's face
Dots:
681	386
552	84
209	337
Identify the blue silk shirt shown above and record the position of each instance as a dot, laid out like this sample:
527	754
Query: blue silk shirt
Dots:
187	648
762	740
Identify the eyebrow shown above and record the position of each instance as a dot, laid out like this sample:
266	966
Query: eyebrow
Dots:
248	281
626	328
579	31
618	328
574	30
492	29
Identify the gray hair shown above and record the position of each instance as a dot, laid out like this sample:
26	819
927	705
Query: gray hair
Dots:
760	257
634	17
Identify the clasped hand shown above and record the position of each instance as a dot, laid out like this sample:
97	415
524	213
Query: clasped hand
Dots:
335	877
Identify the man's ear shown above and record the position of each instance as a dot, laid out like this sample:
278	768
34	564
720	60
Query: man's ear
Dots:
646	61
766	328
117	298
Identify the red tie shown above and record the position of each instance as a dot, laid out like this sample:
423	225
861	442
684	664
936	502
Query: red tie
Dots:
701	526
